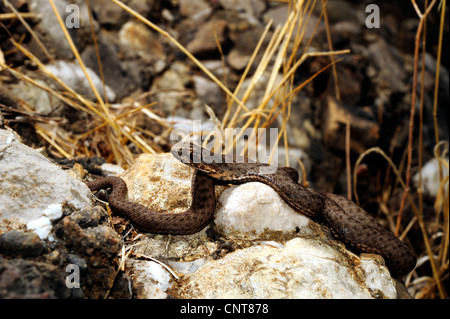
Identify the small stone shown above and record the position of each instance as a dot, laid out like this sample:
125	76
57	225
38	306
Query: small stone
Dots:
113	70
88	217
151	174
278	15
195	8
240	212
365	132
42	226
53	211
49	28
249	10
109	169
73	76
101	241
138	37
43	101
151	280
237	60
77	260
431	184
207	36
169	85
390	65
208	91
108	13
26	244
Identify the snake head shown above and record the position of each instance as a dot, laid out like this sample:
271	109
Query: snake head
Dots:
187	153
197	157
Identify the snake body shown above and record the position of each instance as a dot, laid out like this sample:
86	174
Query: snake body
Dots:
188	222
347	221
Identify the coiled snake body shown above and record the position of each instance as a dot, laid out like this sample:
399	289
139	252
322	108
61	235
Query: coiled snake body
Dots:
347	221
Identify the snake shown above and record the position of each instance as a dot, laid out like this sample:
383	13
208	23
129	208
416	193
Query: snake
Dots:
347	221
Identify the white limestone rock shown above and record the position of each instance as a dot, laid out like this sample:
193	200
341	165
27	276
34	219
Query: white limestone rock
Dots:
430	177
73	76
302	268
150	279
32	188
254	208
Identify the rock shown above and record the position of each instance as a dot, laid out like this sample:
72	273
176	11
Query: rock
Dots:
109	169
278	14
169	86
25	279
43	102
73	76
49	27
138	37
253	209
116	78
244	45
204	42
19	243
153	180
29	183
81	240
297	269
364	130
378	279
195	9
143	7
89	217
389	62
430	177
237	60
75	17
99	242
88	245
258	91
42	226
108	13
338	10
208	92
151	280
250	10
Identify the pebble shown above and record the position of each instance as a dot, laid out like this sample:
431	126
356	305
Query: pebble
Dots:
195	9
207	36
25	244
136	36
73	76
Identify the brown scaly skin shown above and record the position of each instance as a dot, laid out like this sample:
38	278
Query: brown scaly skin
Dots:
188	222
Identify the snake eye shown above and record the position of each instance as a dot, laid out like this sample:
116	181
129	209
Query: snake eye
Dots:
196	157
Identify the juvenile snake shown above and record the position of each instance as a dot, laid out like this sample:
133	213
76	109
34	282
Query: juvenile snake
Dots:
347	221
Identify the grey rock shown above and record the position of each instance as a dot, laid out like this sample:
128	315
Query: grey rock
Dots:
114	73
73	76
49	28
108	13
29	183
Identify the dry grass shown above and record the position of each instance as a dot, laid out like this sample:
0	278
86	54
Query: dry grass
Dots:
118	130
